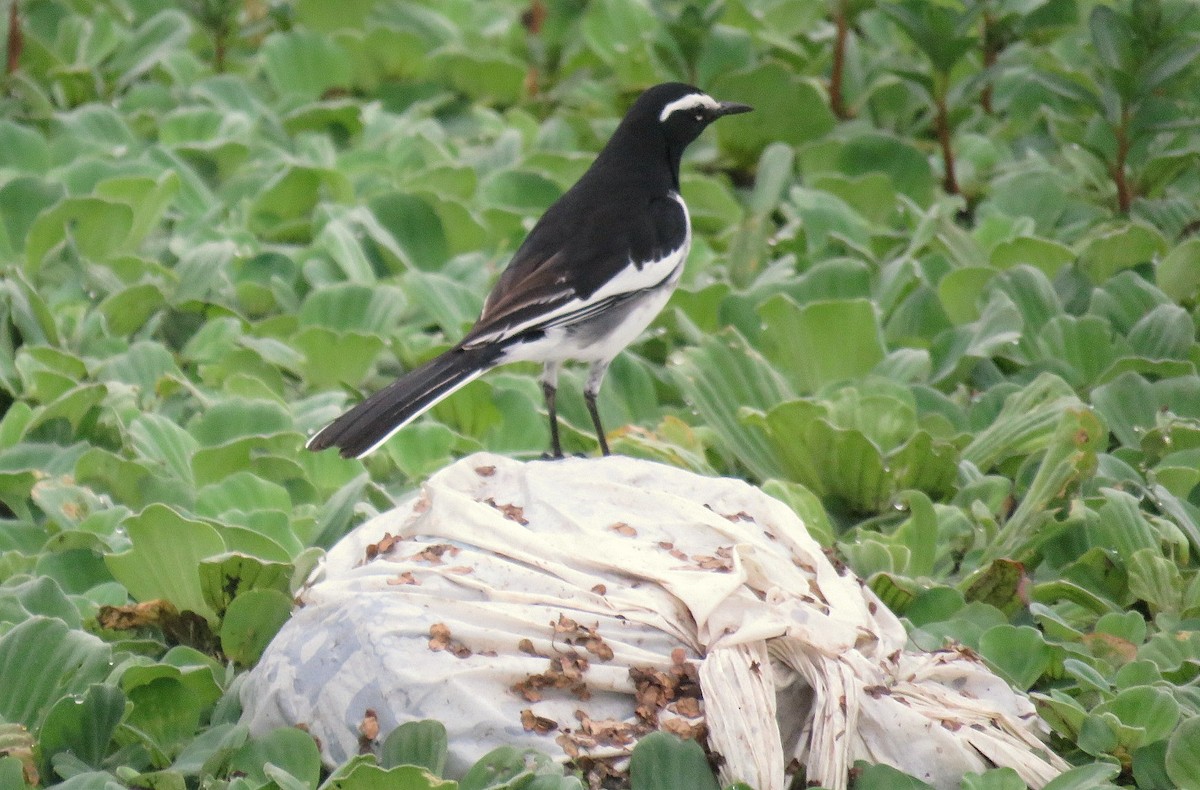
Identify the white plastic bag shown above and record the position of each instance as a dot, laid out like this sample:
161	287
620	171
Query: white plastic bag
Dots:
573	605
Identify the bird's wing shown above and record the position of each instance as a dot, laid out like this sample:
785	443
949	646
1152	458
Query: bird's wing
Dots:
568	271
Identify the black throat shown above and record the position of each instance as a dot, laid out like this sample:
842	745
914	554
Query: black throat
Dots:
639	151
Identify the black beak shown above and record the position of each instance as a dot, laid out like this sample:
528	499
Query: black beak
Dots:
731	108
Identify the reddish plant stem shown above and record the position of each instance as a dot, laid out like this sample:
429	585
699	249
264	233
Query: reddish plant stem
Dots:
941	123
16	40
533	18
1119	176
837	101
220	48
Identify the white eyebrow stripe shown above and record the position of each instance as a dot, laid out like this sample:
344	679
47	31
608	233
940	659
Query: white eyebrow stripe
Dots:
689	102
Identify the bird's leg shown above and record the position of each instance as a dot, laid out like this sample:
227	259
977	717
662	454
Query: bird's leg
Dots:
550	391
590	390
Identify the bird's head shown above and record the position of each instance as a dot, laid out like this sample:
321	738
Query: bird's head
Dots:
682	111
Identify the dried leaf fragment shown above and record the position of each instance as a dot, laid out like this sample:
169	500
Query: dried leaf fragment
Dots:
539	724
368	731
385	544
511	512
685	729
433	554
440	639
564	672
578	635
138	615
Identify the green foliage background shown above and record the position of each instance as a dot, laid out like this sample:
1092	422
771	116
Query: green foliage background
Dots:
942	300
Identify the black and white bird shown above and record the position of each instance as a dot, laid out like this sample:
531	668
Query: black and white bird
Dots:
592	274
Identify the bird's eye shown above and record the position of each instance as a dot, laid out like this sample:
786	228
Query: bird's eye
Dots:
699	116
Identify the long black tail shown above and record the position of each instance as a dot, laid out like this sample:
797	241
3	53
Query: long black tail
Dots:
372	422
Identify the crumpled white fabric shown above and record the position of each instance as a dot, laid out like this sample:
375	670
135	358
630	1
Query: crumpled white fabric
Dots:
796	658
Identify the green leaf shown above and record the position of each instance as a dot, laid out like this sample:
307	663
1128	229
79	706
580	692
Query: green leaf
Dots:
97	228
334	359
347	307
1122	526
303	65
1121	248
1167	332
39	595
830	224
1037	194
909	168
751	383
340	118
226	576
410	229
159	37
775	169
210	748
806	505
885	777
1085	777
167	549
73	406
1178	272
1047	255
661	761
283	208
12	773
445	302
42	660
366	776
289	748
83	724
960	292
251	622
1167	60
1183	755
1131	405
242	491
1081	349
128	309
1024	425
620	34
1112	38
1070	456
147	197
1150	765
1156	580
163	443
796	340
1000	584
420	743
22	149
1019	653
491	77
501	766
937	29
787	109
1153	712
238	418
1098	735
24	199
